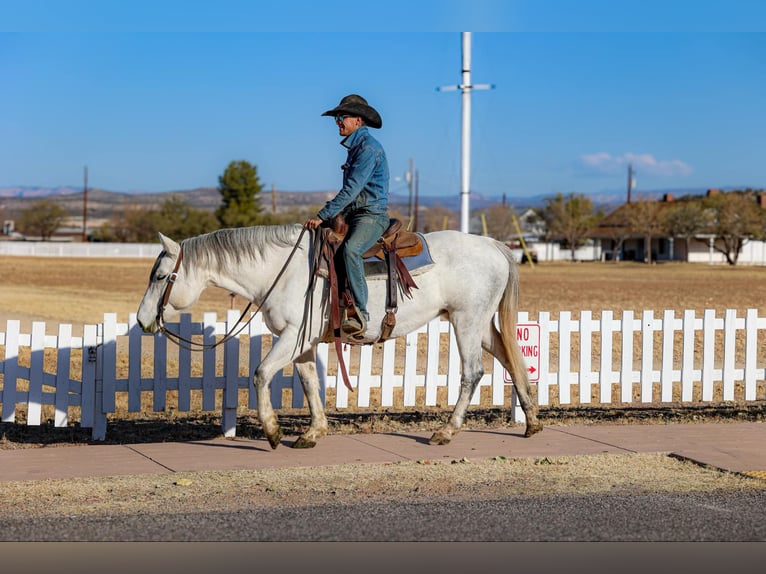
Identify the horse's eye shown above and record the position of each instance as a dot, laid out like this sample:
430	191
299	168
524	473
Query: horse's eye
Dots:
160	277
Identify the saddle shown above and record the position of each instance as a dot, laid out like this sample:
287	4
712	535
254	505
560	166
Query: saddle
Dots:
393	245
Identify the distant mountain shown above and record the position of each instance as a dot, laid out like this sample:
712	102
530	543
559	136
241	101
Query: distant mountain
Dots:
102	203
37	192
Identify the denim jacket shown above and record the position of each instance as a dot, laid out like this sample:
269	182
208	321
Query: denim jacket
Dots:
365	177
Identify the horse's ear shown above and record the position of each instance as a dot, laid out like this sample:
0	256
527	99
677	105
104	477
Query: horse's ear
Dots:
169	245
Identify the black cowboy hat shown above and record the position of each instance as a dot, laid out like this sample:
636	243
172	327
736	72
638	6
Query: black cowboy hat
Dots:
353	105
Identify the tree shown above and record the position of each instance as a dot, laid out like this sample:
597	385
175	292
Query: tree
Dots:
686	220
646	218
499	222
240	192
42	218
175	217
437	218
179	220
570	218
736	219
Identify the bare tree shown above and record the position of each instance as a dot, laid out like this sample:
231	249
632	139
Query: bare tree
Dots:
570	218
42	218
687	219
499	221
438	218
737	218
646	217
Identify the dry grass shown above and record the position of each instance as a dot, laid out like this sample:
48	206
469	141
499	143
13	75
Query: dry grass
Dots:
413	482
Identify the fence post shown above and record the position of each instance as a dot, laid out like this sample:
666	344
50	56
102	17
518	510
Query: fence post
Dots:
108	364
230	397
91	404
565	357
586	345
13	326
36	368
626	368
687	361
99	408
668	338
543	392
63	354
751	353
708	353
729	345
647	355
135	343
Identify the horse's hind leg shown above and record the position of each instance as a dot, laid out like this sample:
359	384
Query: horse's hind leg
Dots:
307	371
493	343
473	370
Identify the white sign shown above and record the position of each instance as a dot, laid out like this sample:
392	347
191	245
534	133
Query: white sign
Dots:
528	337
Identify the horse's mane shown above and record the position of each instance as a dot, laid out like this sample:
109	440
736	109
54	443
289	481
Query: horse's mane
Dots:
225	249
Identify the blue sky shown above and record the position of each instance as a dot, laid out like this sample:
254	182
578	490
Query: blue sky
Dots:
161	96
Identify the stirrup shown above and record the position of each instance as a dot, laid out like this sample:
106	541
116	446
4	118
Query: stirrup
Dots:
353	326
353	322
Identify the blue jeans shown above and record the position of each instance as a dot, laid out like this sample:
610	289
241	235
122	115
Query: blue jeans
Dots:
364	229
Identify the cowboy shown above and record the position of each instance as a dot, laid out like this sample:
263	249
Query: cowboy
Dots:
363	198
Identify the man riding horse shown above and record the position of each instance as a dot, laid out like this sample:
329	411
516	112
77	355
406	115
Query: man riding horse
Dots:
362	199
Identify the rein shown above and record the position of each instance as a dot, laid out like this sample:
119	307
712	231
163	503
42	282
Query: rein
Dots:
194	345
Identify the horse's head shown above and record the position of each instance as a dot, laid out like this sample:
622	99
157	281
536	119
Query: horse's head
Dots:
169	291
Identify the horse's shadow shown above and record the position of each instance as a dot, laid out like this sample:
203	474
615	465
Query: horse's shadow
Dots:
206	426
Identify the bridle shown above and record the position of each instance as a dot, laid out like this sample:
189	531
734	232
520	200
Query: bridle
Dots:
194	345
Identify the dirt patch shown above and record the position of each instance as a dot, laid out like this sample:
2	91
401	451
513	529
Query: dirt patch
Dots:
412	481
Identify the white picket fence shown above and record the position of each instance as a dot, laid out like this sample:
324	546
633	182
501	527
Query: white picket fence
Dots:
606	360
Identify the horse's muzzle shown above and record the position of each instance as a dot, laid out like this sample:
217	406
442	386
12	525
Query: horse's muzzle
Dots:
152	327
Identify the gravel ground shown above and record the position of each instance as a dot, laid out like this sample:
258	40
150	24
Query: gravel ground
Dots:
412	481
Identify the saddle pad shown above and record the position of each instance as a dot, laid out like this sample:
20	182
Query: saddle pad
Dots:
374	268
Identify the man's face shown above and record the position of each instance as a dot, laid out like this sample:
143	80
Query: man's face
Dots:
347	124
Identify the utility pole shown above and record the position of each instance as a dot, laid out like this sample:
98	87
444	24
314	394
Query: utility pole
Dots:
273	199
85	206
631	180
465	148
417	193
411	183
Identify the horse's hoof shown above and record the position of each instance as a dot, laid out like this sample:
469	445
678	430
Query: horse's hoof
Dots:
440	437
303	442
533	429
275	439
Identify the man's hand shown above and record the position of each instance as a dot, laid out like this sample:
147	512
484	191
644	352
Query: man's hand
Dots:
312	223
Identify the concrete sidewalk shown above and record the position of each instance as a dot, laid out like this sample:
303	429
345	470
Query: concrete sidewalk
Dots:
736	447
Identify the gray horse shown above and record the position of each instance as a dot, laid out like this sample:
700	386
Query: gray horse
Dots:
471	280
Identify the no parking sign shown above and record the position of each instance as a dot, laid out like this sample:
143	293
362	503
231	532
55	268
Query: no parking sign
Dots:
528	337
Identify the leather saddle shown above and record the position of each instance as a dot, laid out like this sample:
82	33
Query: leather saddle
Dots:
404	243
395	244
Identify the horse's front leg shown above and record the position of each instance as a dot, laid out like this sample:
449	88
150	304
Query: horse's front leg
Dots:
281	354
307	371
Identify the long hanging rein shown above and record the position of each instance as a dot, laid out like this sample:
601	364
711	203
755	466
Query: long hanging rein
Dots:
196	346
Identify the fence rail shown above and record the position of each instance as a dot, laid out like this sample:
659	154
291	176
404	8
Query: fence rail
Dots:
608	360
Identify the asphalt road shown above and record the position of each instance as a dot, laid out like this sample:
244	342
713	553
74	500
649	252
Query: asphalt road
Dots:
719	517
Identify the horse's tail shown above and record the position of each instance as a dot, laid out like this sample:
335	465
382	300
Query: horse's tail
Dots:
507	313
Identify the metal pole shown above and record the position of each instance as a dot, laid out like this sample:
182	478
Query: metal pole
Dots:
411	182
85	206
273	199
465	146
417	192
